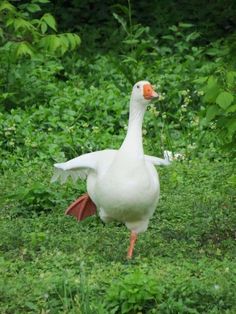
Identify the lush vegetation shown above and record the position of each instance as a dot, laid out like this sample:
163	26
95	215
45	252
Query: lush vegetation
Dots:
66	75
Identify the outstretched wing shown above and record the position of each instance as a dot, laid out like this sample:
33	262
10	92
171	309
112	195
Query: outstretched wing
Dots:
78	167
81	166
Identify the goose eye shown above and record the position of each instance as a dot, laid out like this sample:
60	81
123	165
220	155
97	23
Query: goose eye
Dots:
138	86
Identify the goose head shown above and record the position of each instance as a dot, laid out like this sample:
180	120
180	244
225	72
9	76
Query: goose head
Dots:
143	92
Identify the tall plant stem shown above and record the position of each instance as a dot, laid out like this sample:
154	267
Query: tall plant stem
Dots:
130	16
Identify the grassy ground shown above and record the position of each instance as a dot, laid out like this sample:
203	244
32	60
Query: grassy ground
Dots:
184	263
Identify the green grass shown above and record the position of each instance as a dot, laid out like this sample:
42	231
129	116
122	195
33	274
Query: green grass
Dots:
184	263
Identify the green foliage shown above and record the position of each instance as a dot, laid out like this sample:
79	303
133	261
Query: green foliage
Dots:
136	292
174	61
25	37
182	292
40	83
34	199
219	100
56	104
69	113
184	263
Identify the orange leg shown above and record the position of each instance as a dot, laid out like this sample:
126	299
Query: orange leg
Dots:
133	238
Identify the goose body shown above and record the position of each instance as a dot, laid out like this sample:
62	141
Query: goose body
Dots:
128	191
123	184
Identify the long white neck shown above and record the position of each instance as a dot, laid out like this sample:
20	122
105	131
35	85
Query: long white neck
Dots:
133	142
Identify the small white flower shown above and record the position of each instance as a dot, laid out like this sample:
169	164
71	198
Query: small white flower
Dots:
46	295
85	125
161	97
183	92
200	93
173	156
154	111
95	129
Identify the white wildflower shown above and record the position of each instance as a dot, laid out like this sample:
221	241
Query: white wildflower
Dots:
173	156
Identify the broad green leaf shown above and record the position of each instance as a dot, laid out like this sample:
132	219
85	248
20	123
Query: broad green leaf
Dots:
212	111
22	24
231	126
214	51
50	43
33	7
224	99
173	28
43	27
192	36
189	57
49	19
24	49
121	21
185	25
7	6
232	180
168	37
201	80
211	90
230	77
140	31
130	60
73	40
60	43
231	109
64	44
212	81
131	42
77	39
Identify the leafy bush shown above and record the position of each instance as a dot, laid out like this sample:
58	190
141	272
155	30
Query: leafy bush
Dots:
219	96
136	292
22	34
27	44
190	291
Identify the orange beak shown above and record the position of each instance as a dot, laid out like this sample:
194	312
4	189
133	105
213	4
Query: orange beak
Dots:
148	92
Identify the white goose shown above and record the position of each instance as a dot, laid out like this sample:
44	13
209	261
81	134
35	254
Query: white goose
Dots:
122	184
